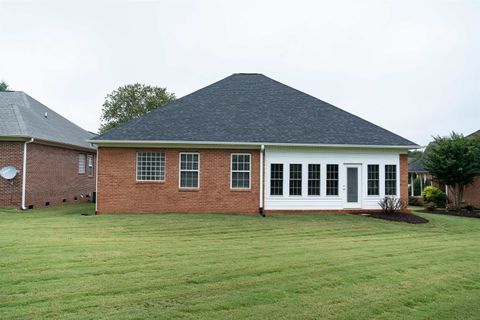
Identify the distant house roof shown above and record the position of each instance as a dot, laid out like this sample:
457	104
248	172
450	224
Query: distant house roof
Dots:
415	164
23	116
252	108
475	134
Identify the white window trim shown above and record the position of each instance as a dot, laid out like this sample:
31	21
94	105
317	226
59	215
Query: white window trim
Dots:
164	167
90	160
249	171
379	182
301	180
180	171
326	181
319	179
84	156
270	180
397	180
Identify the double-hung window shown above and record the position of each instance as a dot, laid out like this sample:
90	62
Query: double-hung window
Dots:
295	179
240	170
150	166
189	170
373	179
390	180
90	165
276	179
332	180
81	163
313	179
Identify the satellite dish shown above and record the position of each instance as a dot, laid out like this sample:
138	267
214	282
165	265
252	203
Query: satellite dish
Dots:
8	172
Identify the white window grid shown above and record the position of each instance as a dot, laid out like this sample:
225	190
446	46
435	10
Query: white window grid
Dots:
81	163
240	171
190	169
150	166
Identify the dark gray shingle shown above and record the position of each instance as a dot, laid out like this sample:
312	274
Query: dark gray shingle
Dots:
21	115
253	108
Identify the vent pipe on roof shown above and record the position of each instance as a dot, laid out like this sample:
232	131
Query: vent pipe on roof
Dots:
46	114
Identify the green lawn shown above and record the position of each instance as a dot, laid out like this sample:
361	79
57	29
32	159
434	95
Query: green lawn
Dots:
55	263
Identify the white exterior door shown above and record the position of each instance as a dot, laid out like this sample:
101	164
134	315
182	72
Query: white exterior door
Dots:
352	186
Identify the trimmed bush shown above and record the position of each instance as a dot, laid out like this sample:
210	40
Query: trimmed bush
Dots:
431	206
414	201
435	195
392	205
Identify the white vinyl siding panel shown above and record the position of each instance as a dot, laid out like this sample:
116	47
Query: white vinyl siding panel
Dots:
284	156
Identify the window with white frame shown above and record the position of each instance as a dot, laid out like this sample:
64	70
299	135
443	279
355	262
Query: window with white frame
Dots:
90	165
240	170
313	179
276	179
189	169
295	187
373	179
150	166
332	180
81	163
390	180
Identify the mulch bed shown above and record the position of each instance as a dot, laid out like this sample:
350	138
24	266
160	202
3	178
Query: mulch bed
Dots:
462	213
398	217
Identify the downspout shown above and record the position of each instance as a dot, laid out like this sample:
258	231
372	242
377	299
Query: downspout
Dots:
96	180
261	211
24	172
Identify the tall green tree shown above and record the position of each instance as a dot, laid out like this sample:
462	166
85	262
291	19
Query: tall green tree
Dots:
3	86
454	161
131	101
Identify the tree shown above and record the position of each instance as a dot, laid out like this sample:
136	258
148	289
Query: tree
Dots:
131	101
3	86
454	161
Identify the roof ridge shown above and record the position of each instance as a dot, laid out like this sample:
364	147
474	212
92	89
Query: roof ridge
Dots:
20	121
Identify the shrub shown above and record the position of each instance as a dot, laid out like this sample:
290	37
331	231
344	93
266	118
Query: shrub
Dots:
469	207
414	201
451	207
431	206
392	205
435	195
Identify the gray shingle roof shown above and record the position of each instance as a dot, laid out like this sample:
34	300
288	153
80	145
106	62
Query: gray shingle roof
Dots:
253	108
21	115
415	164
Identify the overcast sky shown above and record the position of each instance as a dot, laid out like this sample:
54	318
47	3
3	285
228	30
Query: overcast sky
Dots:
412	67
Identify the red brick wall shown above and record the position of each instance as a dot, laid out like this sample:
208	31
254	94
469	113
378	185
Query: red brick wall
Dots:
11	155
404	177
118	191
52	175
472	193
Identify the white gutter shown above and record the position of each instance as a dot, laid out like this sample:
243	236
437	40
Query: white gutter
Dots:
262	149
159	142
24	172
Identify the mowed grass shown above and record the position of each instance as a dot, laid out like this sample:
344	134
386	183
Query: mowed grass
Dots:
56	263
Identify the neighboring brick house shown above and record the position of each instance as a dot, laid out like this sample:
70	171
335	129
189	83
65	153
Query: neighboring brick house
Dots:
472	192
59	162
247	144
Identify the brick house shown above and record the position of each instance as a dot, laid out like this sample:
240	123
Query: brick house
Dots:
472	192
54	161
246	144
